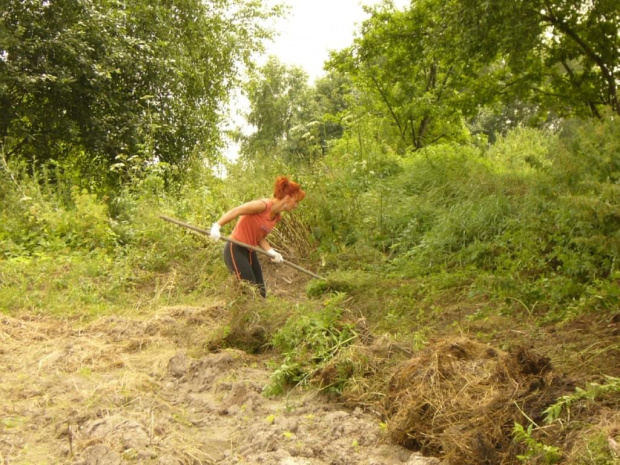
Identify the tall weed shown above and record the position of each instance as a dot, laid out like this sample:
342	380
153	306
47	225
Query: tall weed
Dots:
538	214
65	250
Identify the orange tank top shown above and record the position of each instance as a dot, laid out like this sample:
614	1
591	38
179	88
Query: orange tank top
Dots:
252	228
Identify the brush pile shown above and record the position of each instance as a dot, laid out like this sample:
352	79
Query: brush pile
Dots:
459	399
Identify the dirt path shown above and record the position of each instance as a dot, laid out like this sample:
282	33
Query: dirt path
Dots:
128	390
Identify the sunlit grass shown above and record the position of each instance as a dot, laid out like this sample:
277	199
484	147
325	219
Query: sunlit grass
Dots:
92	284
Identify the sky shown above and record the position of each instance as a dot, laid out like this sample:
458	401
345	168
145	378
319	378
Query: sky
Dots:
313	27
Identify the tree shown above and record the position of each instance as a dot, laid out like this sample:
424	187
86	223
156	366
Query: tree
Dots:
403	74
88	85
562	53
282	109
332	94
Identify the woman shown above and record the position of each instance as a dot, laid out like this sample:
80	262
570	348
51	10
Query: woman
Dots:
256	219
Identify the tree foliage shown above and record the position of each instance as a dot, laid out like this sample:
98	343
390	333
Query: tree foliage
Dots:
88	85
406	74
563	53
291	118
279	100
429	69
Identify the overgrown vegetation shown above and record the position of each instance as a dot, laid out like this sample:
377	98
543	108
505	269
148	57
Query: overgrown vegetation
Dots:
524	231
425	230
310	341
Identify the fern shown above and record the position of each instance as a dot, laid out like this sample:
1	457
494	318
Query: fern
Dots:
533	449
592	391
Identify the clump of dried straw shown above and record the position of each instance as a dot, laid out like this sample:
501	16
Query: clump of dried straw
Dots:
459	399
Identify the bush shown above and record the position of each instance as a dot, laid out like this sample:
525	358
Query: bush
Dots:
538	212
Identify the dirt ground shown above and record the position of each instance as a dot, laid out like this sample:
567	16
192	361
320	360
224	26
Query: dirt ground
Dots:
125	389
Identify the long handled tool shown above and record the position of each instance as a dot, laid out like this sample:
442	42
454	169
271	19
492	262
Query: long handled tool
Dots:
247	246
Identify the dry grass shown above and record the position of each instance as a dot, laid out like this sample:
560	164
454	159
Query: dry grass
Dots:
460	398
67	381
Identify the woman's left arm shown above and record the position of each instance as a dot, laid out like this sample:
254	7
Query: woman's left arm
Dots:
265	245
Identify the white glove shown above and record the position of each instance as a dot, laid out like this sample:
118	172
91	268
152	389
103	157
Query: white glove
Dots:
275	256
215	232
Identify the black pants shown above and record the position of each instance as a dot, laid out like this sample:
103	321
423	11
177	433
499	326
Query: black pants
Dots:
245	265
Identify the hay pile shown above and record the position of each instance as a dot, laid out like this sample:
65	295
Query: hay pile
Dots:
459	399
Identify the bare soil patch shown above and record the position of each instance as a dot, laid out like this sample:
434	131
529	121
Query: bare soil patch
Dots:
124	389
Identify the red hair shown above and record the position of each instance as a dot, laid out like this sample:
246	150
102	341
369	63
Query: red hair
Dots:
284	186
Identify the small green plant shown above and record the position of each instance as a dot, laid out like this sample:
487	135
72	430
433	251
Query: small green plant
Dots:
535	451
308	342
182	418
541	453
13	422
319	287
590	393
288	373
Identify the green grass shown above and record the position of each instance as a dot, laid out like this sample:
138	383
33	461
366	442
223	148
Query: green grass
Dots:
91	284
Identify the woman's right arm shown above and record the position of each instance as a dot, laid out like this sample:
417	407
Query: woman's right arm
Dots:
249	208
